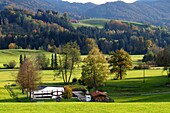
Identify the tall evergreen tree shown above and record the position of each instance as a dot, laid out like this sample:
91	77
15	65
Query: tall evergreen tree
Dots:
52	62
20	59
55	61
25	57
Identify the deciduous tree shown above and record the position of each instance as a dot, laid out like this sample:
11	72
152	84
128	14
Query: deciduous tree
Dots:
69	56
119	62
42	61
28	76
95	69
163	59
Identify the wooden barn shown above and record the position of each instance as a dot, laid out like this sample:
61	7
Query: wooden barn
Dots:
99	96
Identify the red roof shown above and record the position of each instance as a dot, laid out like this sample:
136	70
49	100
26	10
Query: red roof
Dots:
74	21
97	93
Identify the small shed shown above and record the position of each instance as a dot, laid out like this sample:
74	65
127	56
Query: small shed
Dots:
99	96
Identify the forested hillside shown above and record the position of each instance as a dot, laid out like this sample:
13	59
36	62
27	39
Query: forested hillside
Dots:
155	12
48	29
77	10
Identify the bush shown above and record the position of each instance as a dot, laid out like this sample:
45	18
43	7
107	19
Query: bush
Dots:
77	87
140	66
12	46
148	57
67	92
10	65
74	80
81	82
5	65
42	61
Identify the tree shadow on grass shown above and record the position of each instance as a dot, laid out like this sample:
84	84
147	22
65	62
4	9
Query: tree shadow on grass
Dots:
7	100
131	89
156	80
53	84
24	99
152	98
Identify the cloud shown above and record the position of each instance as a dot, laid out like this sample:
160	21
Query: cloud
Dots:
99	1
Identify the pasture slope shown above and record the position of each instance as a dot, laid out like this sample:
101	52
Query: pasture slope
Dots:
100	22
8	55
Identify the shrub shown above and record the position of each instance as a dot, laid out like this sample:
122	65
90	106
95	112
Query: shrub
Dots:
5	65
80	81
77	87
42	61
10	65
148	57
74	80
140	66
67	92
11	46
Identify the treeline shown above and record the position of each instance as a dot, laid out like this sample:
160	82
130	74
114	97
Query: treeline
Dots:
49	29
134	38
42	30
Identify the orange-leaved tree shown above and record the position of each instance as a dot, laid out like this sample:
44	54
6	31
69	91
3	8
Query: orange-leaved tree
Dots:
29	76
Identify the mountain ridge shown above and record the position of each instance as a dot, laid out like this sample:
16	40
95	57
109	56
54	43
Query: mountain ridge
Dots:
148	11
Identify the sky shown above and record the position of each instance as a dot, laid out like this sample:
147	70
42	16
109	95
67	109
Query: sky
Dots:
99	1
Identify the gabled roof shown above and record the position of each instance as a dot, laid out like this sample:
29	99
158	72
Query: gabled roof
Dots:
97	93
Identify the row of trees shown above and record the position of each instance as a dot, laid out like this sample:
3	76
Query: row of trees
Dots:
95	67
163	59
94	70
159	57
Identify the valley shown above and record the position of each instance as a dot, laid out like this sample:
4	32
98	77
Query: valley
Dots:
119	50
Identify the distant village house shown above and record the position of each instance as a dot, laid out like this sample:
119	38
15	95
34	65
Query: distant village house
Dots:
74	21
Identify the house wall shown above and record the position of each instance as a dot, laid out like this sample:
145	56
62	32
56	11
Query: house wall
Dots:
100	98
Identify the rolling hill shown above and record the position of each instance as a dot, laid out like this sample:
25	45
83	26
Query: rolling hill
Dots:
148	11
48	29
156	12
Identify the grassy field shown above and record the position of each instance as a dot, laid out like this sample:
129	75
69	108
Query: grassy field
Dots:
94	22
85	107
14	54
131	89
130	94
100	22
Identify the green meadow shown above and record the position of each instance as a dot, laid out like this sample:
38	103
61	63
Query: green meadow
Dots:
100	22
12	54
135	93
94	22
81	107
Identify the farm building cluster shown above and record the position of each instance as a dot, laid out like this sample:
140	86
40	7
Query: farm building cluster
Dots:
56	93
